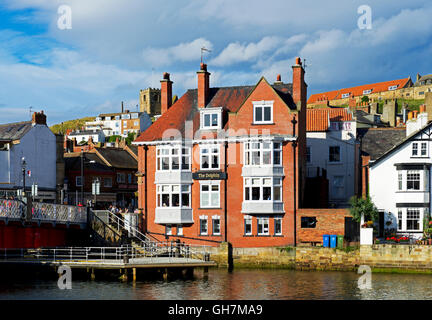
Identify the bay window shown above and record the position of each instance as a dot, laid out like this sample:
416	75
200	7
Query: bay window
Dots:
173	195
413	219
263	189
263	153
413	180
171	158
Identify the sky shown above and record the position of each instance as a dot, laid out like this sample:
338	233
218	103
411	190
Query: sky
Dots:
110	49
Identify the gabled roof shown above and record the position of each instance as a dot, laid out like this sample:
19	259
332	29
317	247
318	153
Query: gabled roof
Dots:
423	78
358	90
14	131
375	142
186	108
319	119
117	158
73	162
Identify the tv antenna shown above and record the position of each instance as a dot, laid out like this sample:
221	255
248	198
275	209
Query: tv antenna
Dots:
202	52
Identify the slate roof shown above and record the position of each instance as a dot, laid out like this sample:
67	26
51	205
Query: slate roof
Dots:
14	131
319	119
186	108
358	90
118	158
366	120
378	141
73	162
423	78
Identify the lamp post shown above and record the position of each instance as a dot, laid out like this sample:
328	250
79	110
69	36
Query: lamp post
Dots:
23	166
82	174
96	190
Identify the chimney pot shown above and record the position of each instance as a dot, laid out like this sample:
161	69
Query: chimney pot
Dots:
278	78
203	67
298	61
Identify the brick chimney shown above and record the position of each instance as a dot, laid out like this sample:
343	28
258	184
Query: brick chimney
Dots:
166	92
298	84
278	79
203	85
39	118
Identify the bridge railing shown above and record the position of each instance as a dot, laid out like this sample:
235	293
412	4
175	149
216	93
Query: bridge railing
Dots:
48	212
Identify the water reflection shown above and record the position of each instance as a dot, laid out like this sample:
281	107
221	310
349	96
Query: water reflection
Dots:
239	284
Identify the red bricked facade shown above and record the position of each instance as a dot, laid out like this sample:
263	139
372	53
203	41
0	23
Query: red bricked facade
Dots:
238	119
328	221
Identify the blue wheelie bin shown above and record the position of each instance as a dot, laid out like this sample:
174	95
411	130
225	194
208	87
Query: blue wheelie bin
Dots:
326	240
333	241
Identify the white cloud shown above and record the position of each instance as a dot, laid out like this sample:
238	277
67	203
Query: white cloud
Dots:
186	51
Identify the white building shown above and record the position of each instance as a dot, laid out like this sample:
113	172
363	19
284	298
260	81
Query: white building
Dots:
120	124
85	135
331	145
34	141
400	180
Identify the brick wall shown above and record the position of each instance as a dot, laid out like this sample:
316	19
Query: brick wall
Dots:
329	221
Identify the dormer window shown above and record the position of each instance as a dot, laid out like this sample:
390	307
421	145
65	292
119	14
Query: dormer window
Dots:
393	87
262	112
345	95
367	91
211	118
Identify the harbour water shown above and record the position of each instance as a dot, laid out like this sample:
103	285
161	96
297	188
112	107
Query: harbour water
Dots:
242	284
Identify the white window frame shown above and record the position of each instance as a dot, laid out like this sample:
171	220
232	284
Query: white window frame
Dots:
179	230
346	95
424	144
210	154
216	218
203	219
414	149
182	153
168	230
367	91
275	220
412	173
393	87
247	221
211	112
170	190
262	105
210	193
262	221
248	184
403	216
252	147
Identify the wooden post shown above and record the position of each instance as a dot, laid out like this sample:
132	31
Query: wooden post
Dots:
165	274
133	274
93	275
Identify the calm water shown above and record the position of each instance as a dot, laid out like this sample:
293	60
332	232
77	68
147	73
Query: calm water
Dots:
240	284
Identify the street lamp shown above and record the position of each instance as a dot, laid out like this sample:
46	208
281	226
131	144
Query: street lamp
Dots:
95	190
82	175
23	166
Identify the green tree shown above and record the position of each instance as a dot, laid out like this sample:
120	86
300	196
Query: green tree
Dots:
365	99
365	206
130	138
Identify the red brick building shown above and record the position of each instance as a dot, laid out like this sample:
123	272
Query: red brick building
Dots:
225	164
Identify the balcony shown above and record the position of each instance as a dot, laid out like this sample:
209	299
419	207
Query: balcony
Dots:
173	216
173	177
262	207
262	171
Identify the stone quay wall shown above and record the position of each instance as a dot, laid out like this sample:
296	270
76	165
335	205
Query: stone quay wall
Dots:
381	257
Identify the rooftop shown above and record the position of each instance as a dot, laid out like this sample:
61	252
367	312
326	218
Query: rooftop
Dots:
14	131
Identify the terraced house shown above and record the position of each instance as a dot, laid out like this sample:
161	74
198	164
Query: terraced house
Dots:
225	164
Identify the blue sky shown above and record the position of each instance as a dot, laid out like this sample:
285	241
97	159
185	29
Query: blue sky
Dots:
115	48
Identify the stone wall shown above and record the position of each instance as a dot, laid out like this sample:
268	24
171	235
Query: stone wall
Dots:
384	257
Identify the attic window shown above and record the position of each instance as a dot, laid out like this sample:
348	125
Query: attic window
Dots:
345	95
211	118
393	87
367	91
262	112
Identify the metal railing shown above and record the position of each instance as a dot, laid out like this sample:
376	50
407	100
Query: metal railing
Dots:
47	212
155	252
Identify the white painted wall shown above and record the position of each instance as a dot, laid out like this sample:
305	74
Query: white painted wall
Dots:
319	143
383	183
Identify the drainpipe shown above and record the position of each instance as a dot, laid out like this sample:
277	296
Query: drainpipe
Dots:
145	188
225	193
294	145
